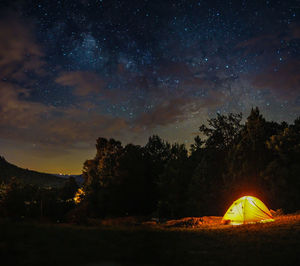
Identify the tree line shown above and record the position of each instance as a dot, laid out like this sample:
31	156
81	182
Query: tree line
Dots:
227	159
231	159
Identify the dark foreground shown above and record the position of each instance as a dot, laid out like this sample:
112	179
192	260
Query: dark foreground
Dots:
276	243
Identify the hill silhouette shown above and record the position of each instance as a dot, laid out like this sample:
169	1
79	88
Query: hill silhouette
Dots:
9	171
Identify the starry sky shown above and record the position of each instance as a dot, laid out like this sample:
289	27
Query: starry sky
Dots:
72	71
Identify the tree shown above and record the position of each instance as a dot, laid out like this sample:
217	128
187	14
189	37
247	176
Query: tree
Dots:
134	193
69	189
173	183
249	156
158	150
197	145
206	186
281	175
100	174
222	132
17	199
248	159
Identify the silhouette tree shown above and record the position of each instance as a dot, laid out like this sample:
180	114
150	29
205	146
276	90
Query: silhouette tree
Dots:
222	132
173	183
282	173
69	189
259	157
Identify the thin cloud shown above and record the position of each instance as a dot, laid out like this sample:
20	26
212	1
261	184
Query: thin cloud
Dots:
84	82
284	79
19	52
22	119
178	109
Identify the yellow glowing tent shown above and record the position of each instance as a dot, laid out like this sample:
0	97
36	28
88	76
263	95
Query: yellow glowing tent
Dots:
247	209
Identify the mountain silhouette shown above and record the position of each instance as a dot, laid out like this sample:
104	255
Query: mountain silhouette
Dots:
9	171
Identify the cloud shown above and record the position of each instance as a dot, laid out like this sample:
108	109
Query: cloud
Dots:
262	41
165	113
284	79
178	109
19	52
24	120
15	112
84	82
266	43
280	77
75	126
295	32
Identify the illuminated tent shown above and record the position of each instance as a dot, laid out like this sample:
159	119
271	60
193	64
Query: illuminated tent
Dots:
245	210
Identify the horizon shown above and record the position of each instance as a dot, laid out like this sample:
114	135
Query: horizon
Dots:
187	145
75	71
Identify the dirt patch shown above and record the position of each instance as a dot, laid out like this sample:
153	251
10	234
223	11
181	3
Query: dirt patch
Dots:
136	221
194	221
205	222
130	220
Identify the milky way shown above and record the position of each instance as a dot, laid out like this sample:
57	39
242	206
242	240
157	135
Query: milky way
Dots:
72	71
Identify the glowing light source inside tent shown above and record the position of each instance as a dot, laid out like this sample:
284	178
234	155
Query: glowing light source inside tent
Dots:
247	209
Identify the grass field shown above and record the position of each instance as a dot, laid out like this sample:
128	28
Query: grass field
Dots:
276	243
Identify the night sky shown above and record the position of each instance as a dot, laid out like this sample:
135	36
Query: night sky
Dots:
72	71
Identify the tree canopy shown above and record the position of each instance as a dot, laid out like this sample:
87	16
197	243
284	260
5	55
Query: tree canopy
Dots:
227	159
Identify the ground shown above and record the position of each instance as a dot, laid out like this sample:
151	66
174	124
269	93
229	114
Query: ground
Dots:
171	243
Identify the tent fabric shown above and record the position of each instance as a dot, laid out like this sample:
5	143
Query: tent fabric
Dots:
247	209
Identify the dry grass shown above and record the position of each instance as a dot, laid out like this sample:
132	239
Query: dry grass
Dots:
214	222
275	243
